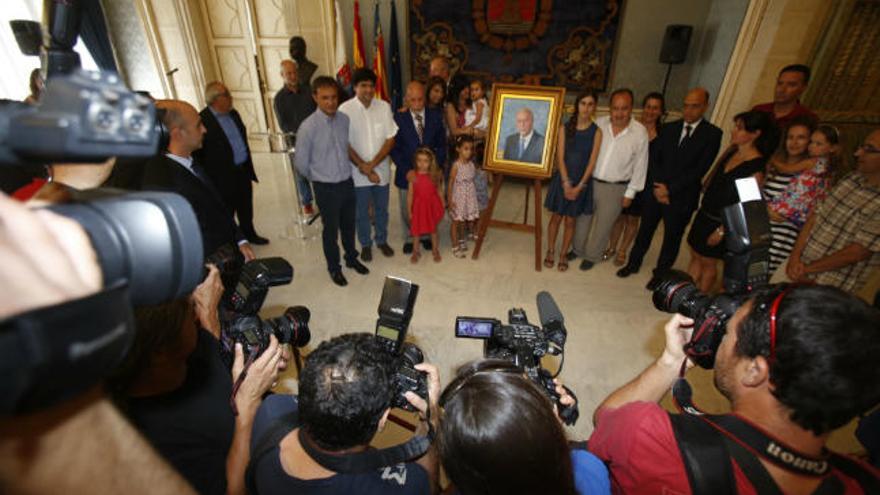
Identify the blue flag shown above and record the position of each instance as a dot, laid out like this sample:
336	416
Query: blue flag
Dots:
394	78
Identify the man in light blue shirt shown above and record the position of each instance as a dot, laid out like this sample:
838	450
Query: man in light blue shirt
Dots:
322	157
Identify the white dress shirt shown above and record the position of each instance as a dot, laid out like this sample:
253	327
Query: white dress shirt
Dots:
186	161
369	129
524	141
684	130
624	157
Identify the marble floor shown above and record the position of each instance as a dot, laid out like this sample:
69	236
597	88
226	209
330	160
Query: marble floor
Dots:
613	329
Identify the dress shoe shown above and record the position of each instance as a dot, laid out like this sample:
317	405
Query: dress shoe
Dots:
407	247
586	265
571	256
386	250
338	278
366	253
427	244
358	267
256	239
653	283
626	271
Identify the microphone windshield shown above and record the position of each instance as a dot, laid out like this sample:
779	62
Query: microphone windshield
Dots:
548	311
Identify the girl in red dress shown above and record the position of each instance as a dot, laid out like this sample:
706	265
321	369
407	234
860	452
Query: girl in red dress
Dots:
423	200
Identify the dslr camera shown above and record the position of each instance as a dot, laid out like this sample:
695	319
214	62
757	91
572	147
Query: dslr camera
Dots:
746	267
395	312
241	323
524	344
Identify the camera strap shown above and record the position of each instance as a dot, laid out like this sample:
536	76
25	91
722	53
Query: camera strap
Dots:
54	353
368	460
746	442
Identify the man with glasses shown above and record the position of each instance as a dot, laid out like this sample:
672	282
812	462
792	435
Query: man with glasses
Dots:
840	244
226	156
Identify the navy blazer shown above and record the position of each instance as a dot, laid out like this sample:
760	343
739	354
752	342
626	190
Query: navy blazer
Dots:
682	168
216	153
533	152
407	140
216	221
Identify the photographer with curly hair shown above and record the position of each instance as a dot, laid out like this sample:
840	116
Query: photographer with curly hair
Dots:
500	434
796	363
345	395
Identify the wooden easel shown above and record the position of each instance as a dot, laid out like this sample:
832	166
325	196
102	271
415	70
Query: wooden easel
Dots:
486	220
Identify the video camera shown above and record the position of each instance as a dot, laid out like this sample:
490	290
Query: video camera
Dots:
148	244
395	311
241	323
746	267
525	345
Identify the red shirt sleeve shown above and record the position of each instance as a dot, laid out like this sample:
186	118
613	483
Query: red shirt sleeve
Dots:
637	444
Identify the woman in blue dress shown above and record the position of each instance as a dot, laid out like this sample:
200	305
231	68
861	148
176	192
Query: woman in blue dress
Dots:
571	190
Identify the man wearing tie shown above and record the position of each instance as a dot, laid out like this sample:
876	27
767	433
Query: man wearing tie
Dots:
227	158
686	150
176	171
416	126
525	145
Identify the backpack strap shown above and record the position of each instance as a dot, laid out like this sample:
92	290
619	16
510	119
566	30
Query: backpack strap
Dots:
705	456
275	432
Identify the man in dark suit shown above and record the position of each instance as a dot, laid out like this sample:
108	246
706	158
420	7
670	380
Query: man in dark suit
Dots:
526	145
685	152
416	126
176	171
226	156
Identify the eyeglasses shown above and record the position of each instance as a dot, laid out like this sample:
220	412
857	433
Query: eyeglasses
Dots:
867	149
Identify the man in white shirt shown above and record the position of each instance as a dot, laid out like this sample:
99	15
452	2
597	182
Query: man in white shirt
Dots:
620	173
371	137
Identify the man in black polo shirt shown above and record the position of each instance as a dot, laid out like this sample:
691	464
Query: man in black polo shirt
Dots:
293	103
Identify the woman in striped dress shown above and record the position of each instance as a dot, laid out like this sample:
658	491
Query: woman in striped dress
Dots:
791	160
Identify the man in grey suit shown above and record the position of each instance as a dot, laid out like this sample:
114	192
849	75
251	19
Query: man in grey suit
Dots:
527	145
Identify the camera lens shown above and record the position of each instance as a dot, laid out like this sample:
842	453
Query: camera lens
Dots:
411	353
678	294
293	326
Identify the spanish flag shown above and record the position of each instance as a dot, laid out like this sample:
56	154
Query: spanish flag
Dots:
379	58
343	70
358	53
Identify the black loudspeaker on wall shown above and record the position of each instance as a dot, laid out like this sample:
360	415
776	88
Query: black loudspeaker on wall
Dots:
675	43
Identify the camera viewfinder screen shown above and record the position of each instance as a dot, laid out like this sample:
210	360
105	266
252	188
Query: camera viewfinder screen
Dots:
387	332
473	328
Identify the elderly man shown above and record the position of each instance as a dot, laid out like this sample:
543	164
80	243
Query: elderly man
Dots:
293	103
840	243
686	149
371	137
226	157
795	363
417	126
322	157
786	105
526	144
177	171
620	173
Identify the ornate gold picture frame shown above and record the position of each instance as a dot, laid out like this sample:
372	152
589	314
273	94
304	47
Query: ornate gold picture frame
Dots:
523	132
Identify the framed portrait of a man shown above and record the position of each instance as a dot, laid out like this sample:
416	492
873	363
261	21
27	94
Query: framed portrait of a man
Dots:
522	137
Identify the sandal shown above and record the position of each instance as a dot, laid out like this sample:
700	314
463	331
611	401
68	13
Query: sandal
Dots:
548	260
458	253
563	265
415	257
437	256
620	259
607	254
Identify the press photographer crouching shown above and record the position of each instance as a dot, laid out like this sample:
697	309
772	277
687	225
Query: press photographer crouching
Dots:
501	434
318	442
795	362
178	392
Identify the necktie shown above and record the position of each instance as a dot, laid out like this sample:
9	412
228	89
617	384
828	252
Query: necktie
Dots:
522	147
687	134
420	127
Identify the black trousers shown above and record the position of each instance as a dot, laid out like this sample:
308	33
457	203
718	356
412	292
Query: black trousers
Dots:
676	218
239	197
338	206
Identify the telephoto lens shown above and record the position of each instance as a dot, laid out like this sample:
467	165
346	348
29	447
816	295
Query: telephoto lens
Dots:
292	327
